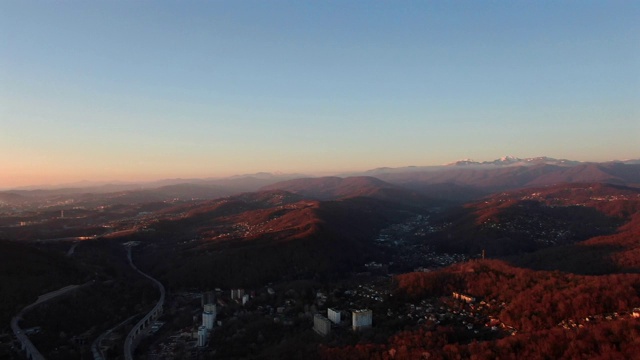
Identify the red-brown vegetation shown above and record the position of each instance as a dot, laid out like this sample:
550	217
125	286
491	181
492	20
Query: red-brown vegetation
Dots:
611	340
534	303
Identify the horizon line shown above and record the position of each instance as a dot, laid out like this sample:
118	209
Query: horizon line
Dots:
76	184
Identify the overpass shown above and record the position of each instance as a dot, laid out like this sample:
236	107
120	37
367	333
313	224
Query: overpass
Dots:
26	345
134	335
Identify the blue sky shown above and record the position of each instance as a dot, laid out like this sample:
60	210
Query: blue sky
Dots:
140	90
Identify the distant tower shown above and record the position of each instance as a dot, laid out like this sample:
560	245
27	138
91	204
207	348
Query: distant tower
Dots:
483	254
61	214
202	336
209	316
210	308
208	297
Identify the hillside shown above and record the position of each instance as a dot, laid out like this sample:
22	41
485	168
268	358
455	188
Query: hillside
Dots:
524	307
85	195
532	219
462	181
529	314
21	285
254	238
10	198
492	179
333	188
613	173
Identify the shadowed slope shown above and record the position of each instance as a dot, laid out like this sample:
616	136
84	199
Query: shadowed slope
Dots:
259	237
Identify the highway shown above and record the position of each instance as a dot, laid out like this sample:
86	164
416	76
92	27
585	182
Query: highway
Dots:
95	347
26	344
72	249
131	340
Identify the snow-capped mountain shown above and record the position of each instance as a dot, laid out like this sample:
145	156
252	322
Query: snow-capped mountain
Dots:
515	161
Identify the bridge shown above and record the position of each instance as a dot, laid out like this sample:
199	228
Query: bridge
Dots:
135	334
96	347
26	345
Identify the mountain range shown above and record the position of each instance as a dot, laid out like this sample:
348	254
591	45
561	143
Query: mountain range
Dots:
461	181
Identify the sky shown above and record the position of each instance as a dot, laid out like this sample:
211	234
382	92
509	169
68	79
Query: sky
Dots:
144	90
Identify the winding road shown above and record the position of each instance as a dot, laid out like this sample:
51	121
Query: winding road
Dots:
95	347
26	344
131	341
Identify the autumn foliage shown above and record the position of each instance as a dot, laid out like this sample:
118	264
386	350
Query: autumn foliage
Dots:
533	303
612	340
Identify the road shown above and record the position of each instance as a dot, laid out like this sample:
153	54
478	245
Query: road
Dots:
20	335
95	347
72	249
130	343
